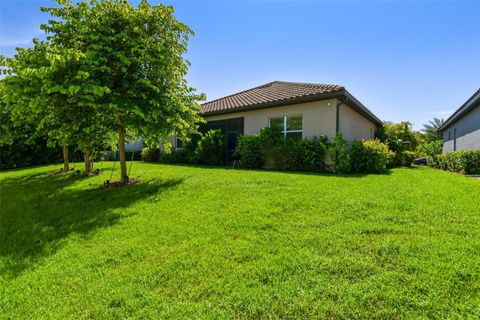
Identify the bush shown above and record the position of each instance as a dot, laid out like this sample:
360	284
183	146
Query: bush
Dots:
340	153
249	150
176	156
274	148
308	154
408	157
20	154
369	156
430	149
464	161
133	155
211	148
150	154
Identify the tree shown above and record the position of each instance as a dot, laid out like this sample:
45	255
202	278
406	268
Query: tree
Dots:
133	58
44	88
22	102
431	129
399	138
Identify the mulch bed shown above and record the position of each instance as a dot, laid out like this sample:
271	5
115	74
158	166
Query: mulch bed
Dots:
118	183
53	173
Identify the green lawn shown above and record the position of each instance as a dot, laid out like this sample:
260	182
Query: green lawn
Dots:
198	242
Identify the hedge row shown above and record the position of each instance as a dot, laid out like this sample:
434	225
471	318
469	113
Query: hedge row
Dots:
20	154
464	161
269	149
207	149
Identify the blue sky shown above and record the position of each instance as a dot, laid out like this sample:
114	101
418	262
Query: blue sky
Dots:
403	60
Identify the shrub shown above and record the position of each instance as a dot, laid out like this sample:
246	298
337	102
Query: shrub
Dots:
308	154
430	149
150	154
399	138
274	148
20	154
408	157
176	156
369	156
464	161
340	152
133	155
211	148
250	152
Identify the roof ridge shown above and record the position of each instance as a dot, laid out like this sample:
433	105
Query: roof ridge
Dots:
234	94
272	82
312	83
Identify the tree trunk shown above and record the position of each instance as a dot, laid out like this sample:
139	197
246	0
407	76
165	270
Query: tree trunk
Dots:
121	152
88	163
66	164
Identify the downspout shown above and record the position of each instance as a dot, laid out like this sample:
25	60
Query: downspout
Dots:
337	117
337	120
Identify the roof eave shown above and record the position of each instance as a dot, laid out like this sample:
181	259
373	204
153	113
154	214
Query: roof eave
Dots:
462	111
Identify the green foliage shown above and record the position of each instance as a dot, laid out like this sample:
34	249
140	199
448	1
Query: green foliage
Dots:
150	154
178	156
463	161
431	129
130	65
369	156
42	89
209	243
249	150
20	154
274	147
399	138
269	149
210	149
340	152
429	149
308	154
408	157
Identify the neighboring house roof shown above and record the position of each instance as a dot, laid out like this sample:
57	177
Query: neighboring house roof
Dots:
280	93
468	106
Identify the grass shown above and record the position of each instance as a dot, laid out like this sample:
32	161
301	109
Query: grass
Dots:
198	242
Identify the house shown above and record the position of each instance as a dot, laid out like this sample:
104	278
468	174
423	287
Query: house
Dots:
302	110
461	131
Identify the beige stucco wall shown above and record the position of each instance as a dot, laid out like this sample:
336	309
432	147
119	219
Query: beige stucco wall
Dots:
318	117
353	125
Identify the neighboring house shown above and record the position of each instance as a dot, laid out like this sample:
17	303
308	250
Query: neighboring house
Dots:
134	146
301	109
461	131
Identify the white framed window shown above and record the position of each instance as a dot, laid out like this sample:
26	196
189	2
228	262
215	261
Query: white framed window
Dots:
291	126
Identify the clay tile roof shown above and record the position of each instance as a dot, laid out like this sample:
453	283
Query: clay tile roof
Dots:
273	93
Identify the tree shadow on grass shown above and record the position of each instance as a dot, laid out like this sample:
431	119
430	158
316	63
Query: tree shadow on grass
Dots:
38	212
